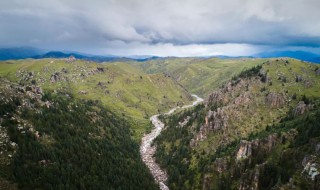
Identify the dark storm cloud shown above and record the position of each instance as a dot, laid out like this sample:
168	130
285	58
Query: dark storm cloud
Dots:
101	25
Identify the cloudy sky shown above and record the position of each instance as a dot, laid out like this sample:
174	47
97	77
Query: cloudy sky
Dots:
162	27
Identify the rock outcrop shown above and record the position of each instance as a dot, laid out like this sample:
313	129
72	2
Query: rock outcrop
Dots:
35	89
55	77
275	100
299	78
248	148
216	98
250	180
216	120
301	108
245	150
242	99
100	69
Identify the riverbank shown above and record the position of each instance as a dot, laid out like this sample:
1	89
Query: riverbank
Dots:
147	151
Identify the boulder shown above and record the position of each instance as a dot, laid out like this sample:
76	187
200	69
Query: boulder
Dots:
299	78
301	108
100	69
55	77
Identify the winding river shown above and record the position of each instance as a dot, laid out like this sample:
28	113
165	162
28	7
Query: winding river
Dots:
147	151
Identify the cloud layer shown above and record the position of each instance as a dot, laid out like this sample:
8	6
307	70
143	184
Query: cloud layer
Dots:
160	27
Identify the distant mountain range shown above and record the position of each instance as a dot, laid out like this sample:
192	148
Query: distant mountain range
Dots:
30	52
59	54
19	53
302	55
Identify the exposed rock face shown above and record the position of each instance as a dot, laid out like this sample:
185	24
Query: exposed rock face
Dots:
245	150
201	135
242	99
250	180
216	120
248	148
264	76
275	100
216	98
318	71
301	108
272	140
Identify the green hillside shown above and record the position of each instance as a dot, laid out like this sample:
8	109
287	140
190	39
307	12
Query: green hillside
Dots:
65	119
199	75
54	141
247	131
122	88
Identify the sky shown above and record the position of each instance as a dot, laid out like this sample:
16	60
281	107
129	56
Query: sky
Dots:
162	27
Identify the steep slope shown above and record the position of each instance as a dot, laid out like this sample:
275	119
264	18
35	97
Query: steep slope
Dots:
263	106
198	75
119	86
55	141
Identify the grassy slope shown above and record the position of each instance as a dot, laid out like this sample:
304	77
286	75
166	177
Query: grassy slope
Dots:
243	120
197	75
123	88
254	116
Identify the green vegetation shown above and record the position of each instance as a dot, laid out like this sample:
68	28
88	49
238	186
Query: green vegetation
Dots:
259	105
199	76
119	86
77	124
72	144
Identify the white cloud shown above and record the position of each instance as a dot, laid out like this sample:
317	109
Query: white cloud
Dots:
168	49
183	26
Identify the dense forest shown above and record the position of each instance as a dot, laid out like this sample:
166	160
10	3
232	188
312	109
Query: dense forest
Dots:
71	144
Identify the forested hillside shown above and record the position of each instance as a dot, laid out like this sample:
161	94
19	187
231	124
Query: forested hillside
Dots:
260	130
51	140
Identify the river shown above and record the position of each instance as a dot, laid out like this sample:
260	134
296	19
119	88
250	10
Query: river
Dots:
147	151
